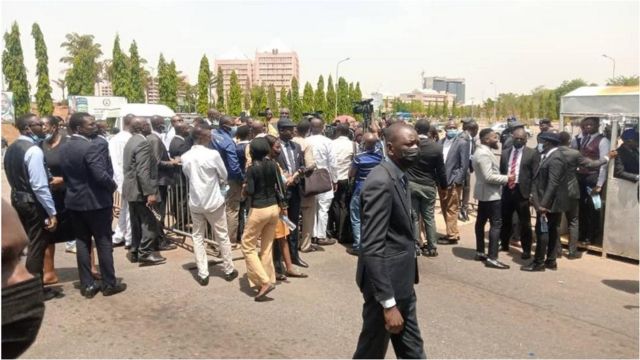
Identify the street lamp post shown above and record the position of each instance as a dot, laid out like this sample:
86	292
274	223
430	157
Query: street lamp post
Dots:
614	64
337	80
495	101
472	107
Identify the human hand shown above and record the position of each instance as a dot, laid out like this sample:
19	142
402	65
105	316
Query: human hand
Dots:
393	321
151	200
613	154
596	190
53	224
512	178
56	182
542	210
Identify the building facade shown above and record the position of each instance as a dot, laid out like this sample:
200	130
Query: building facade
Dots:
451	85
231	61
277	68
103	88
153	92
429	97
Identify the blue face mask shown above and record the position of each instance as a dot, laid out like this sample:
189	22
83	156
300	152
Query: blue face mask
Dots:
451	133
540	148
233	130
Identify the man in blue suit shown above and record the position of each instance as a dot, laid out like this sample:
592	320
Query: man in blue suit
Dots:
89	198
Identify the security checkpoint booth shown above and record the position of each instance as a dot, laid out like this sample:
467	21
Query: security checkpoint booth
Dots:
617	108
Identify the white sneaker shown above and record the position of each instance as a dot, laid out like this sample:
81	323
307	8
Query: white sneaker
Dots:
71	249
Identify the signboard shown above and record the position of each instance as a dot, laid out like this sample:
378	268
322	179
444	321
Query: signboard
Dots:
8	114
101	107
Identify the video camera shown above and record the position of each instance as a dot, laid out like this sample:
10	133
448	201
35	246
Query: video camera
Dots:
315	114
364	107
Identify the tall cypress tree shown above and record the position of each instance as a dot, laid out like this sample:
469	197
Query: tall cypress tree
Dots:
43	95
247	99
163	81
15	74
296	103
343	97
258	99
284	98
272	102
320	101
220	90
357	96
235	95
331	101
120	72
136	72
172	95
204	78
307	98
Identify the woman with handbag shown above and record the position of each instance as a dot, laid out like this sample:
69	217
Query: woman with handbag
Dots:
266	204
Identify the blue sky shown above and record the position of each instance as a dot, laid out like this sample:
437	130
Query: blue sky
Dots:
519	45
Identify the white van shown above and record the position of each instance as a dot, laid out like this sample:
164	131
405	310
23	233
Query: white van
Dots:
146	111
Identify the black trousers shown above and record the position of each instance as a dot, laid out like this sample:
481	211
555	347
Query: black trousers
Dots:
339	223
590	220
162	208
492	211
547	242
374	338
32	217
180	204
512	201
293	212
144	229
94	224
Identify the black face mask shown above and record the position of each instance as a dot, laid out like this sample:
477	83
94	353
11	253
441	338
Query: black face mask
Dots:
22	313
517	145
409	157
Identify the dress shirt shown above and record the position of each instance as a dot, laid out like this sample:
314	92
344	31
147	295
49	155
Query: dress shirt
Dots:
546	155
38	179
518	161
445	148
205	171
168	137
343	148
603	149
288	150
323	154
116	151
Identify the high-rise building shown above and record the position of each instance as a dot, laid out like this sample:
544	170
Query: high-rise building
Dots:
103	88
231	61
153	93
276	65
453	86
429	97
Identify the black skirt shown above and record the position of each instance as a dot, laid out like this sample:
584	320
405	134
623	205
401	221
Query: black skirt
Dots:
64	231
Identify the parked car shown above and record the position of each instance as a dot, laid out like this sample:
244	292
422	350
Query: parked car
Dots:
499	128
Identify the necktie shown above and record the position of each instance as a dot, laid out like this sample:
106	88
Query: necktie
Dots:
403	181
512	169
585	141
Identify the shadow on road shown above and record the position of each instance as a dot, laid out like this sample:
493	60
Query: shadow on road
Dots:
464	253
630	286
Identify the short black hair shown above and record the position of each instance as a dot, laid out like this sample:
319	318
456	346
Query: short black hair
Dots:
565	138
226	120
126	120
53	120
243	132
544	121
342	130
303	127
259	148
76	120
22	122
422	127
485	132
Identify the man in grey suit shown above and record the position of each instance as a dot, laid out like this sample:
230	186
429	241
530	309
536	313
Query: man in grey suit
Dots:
487	190
455	151
140	189
550	197
387	266
469	133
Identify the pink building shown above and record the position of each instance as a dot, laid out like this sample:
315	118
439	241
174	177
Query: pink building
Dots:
235	60
276	65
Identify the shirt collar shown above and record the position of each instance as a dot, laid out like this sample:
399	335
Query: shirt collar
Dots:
396	169
157	133
179	137
25	137
81	137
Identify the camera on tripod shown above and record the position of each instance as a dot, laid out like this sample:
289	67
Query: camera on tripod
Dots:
365	108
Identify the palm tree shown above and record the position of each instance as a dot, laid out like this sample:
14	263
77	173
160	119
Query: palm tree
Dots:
62	84
76	43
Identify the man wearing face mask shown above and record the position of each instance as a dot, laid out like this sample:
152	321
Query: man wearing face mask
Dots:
22	298
222	140
550	198
522	162
470	131
387	265
455	151
30	195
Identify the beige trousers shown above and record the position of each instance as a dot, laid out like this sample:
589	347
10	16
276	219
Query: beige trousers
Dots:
308	206
449	204
261	223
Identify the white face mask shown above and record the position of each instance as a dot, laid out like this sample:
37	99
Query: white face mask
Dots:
540	148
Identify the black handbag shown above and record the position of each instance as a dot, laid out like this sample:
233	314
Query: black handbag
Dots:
318	182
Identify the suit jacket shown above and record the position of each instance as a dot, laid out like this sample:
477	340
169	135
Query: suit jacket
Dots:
574	160
298	157
387	266
488	179
178	146
87	174
550	184
626	165
429	170
472	145
166	170
457	161
140	170
528	167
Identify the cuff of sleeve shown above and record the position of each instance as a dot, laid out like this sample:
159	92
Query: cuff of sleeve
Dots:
606	159
389	303
51	212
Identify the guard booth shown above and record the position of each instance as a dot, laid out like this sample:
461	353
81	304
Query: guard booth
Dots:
617	108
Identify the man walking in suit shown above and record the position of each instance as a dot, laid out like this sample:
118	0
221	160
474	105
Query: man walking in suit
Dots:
166	175
140	189
387	265
89	198
487	191
455	151
550	197
522	162
470	131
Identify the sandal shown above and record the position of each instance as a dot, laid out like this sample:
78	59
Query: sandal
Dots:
295	274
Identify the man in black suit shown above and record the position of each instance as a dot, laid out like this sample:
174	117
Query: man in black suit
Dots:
470	131
178	146
523	162
626	166
550	197
166	175
140	189
387	266
291	160
85	165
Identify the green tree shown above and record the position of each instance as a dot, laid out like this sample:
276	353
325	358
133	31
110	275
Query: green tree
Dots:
623	81
272	101
320	101
454	109
83	56
136	74
43	95
172	94
284	98
357	96
220	90
204	79
119	70
163	80
247	99
235	95
296	102
307	98
331	101
15	73
258	99
343	97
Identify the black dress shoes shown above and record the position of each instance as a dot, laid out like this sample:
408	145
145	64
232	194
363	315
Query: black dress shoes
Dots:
525	256
352	251
551	265
326	242
574	255
112	290
90	291
480	257
152	259
202	281
495	264
166	246
301	263
429	252
534	266
232	275
461	216
132	257
51	293
447	241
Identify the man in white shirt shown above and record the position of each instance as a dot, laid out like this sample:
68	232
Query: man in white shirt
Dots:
344	150
325	159
205	172
122	233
